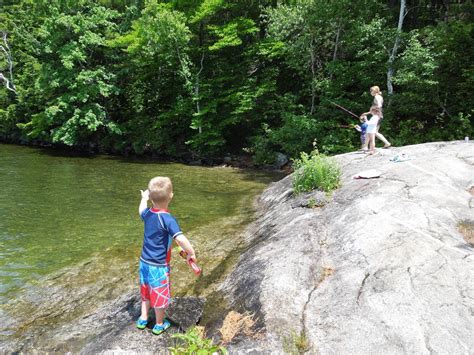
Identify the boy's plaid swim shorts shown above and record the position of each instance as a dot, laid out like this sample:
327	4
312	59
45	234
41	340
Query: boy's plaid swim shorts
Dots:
155	284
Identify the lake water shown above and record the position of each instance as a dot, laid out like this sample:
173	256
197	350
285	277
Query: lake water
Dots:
69	223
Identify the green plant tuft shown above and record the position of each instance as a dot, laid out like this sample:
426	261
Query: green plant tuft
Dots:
194	342
315	171
295	344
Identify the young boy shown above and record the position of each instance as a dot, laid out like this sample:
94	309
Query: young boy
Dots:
160	230
362	129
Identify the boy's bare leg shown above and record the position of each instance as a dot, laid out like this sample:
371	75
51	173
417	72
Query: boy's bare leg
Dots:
366	142
145	309
160	315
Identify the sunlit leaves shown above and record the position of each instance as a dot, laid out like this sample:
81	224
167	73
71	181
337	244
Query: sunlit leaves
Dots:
231	34
417	65
207	9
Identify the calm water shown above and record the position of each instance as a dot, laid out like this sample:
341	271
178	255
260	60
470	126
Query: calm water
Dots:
60	214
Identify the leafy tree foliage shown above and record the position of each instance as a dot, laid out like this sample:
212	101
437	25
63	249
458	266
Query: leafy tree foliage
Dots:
73	79
202	78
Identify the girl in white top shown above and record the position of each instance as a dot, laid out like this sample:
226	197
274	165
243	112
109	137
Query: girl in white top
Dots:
372	125
378	101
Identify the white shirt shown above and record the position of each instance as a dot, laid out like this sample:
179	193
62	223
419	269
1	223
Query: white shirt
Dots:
372	124
378	100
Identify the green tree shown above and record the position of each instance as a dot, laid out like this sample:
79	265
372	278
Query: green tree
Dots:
22	28
156	75
74	80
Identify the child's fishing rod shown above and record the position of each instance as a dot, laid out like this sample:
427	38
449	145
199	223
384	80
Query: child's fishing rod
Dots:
191	263
344	109
346	126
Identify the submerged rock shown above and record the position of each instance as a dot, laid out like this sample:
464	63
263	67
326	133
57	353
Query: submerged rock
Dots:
280	160
381	268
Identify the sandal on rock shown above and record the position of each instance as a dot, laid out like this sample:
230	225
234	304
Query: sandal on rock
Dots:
141	324
160	328
386	146
400	157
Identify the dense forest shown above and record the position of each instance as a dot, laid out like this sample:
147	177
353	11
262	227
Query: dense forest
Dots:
206	78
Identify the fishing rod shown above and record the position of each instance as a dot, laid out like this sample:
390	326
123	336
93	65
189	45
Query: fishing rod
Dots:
344	109
355	126
191	263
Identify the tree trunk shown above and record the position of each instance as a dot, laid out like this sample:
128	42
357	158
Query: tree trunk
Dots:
336	46
313	75
8	56
393	54
196	90
446	10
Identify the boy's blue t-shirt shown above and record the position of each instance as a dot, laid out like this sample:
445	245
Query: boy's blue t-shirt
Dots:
363	128
160	230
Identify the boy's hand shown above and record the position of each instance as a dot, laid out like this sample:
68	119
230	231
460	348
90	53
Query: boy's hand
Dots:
191	257
145	194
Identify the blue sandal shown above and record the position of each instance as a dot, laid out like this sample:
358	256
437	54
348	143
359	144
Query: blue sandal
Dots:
141	324
160	328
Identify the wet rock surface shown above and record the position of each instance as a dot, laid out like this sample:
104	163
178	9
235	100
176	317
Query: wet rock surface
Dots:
183	313
381	267
111	329
120	333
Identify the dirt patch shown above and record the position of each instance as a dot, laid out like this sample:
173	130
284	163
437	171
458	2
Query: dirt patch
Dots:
466	228
326	273
236	323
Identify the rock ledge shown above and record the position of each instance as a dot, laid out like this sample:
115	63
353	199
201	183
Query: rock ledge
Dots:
381	268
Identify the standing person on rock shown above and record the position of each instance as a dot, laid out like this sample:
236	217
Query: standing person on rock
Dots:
378	101
372	125
161	228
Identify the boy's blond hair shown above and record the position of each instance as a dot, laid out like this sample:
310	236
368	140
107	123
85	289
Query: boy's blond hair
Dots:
161	189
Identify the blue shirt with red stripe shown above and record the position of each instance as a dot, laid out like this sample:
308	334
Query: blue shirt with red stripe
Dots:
160	230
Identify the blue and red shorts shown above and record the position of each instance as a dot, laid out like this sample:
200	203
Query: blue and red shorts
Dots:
155	284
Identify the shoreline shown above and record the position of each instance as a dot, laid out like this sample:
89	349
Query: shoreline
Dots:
235	161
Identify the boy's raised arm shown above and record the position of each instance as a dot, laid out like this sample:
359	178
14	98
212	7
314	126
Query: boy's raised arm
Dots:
144	202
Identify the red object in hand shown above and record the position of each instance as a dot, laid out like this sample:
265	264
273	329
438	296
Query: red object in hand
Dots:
192	264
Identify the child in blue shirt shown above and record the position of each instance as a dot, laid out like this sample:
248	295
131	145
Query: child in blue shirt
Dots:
161	228
362	129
